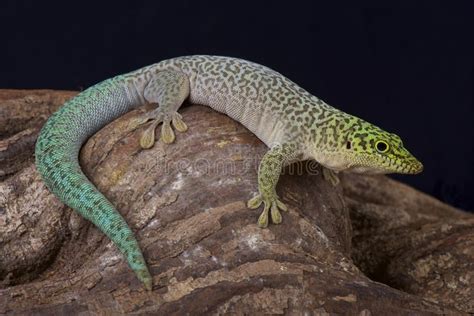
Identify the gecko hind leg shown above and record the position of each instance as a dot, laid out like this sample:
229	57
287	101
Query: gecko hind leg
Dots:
168	89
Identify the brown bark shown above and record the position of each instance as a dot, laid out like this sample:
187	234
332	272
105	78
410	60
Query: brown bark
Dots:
186	203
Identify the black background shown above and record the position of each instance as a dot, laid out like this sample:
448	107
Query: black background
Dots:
406	66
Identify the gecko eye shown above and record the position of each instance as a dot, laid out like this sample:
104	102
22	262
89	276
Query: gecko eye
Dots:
381	146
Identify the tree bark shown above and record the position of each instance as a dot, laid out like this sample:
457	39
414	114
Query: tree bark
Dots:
368	246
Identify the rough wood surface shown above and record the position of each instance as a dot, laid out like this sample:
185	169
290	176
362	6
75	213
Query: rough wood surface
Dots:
370	246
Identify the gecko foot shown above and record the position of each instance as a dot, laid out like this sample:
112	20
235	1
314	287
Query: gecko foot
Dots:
272	205
147	139
331	176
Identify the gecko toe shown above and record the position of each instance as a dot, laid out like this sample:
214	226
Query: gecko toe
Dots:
263	218
158	116
282	206
136	122
167	134
272	207
178	123
275	214
255	202
330	176
147	140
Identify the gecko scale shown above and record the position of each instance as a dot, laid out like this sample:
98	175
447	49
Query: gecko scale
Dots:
294	124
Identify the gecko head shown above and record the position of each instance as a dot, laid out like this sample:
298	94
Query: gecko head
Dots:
369	149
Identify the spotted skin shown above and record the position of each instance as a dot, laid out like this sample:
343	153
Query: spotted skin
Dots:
294	124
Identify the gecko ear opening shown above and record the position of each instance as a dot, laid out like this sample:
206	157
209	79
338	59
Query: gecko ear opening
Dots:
348	144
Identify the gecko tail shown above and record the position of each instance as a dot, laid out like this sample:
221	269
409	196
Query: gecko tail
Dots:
73	188
57	151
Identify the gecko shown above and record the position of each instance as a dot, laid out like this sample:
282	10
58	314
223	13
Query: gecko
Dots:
293	123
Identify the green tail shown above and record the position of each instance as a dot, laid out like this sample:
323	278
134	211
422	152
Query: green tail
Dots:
57	151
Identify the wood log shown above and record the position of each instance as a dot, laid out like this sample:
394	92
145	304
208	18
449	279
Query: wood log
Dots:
369	246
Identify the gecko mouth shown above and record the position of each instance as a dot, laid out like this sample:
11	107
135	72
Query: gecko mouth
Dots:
411	166
384	165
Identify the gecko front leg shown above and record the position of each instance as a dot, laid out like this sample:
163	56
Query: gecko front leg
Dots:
168	89
268	174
